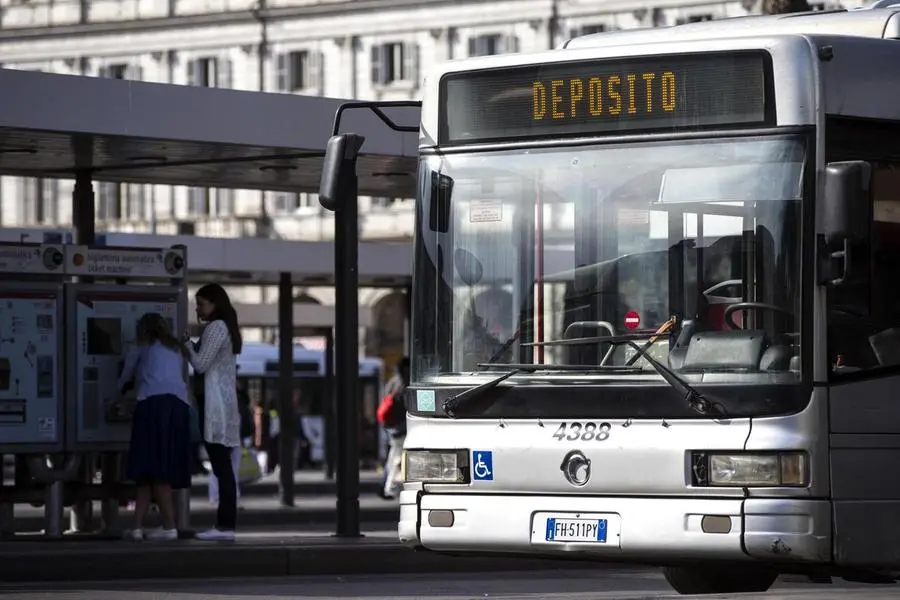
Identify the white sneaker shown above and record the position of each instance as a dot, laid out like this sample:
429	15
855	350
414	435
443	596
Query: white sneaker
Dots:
162	535
216	535
134	535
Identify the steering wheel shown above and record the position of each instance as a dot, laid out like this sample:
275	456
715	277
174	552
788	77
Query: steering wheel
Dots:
732	308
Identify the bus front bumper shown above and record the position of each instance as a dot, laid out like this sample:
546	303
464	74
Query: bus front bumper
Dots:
653	529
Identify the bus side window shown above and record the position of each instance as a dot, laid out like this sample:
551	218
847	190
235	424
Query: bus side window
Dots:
864	313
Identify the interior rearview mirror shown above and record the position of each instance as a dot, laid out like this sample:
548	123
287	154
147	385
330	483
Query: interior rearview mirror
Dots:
468	266
339	170
846	211
439	208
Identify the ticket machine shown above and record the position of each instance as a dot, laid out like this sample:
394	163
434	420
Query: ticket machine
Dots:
101	319
31	363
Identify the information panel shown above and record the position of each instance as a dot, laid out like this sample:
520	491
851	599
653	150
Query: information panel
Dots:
103	323
608	96
30	390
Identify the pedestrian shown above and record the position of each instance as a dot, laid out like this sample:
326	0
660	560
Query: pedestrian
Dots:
215	359
243	399
395	427
159	453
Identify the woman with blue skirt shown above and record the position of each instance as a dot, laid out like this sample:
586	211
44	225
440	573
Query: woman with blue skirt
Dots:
159	455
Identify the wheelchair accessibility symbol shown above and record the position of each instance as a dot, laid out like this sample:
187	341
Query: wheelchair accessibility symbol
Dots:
482	465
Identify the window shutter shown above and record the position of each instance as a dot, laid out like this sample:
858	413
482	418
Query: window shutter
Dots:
224	75
378	74
411	62
281	72
315	72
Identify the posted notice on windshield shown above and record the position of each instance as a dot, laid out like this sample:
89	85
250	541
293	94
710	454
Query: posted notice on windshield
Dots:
485	211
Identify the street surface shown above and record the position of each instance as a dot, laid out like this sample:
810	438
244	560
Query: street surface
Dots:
626	583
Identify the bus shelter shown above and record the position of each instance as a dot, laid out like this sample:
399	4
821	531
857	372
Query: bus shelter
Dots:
108	130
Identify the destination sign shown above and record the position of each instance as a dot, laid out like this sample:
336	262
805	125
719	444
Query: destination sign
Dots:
608	96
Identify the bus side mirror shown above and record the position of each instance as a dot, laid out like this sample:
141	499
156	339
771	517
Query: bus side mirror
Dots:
439	208
847	208
845	216
339	170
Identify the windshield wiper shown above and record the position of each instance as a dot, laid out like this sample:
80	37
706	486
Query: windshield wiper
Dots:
452	404
694	399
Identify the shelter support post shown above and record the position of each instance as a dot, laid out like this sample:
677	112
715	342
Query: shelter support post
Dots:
346	246
110	467
330	442
81	516
183	512
7	511
53	509
83	208
288	420
84	232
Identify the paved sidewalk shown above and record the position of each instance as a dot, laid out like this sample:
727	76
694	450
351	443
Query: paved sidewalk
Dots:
255	512
252	555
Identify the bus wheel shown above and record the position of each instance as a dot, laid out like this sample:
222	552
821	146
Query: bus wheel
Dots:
712	580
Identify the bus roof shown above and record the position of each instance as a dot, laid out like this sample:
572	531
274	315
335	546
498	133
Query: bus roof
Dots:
867	22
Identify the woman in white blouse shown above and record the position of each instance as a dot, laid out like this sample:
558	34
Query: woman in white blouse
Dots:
214	359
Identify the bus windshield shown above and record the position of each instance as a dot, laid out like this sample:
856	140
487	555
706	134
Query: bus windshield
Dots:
520	249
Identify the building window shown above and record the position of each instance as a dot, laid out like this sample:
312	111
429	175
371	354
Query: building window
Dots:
395	62
39	203
587	30
224	202
108	205
120	71
382	202
135	201
300	70
285	203
693	19
209	72
198	201
493	43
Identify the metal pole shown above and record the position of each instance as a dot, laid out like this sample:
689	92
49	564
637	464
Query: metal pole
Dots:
182	498
330	446
53	509
84	232
109	506
346	248
183	512
7	511
286	388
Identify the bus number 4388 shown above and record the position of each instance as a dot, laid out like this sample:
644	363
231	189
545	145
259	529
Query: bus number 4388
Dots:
586	432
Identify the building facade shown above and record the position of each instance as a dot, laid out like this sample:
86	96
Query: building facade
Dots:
364	49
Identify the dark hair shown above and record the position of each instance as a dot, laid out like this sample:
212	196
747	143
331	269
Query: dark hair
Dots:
223	311
153	327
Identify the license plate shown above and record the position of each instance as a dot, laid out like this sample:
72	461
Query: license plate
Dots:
576	530
579	528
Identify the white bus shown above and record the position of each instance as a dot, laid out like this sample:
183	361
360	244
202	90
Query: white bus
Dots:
656	302
258	371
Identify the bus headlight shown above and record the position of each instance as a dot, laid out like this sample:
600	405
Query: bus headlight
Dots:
780	469
436	466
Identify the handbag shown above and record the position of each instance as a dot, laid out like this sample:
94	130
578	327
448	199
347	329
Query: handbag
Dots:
249	470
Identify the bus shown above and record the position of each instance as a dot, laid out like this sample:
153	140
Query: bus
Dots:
258	373
656	302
